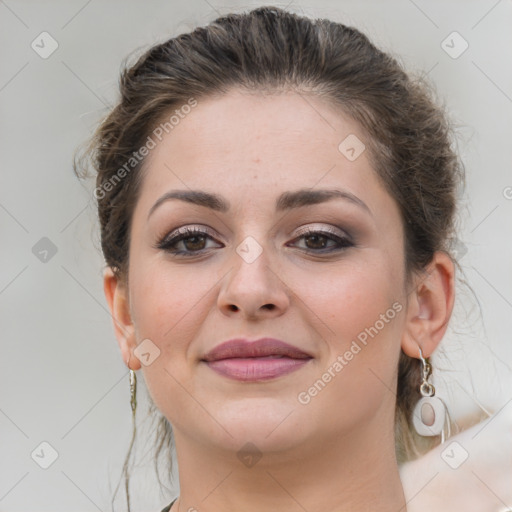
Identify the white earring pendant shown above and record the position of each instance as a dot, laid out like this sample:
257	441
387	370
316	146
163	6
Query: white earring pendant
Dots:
429	416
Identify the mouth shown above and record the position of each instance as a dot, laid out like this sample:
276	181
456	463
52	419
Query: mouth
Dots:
259	360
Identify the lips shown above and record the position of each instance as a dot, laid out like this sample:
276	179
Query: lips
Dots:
259	360
263	347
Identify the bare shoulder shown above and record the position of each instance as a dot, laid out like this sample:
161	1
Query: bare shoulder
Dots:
471	471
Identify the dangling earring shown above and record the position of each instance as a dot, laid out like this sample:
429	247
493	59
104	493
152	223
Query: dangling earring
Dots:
133	390
429	415
133	403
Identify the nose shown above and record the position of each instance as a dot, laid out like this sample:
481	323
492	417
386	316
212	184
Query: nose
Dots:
253	290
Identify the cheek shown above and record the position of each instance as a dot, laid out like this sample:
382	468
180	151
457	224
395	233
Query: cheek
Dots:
362	320
346	298
169	302
168	307
358	311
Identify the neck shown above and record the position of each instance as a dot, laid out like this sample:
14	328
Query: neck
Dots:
355	472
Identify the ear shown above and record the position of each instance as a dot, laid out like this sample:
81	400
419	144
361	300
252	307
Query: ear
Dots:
116	294
430	307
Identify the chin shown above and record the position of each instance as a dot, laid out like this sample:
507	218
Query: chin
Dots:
270	424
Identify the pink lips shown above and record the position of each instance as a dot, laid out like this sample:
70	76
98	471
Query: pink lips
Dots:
262	359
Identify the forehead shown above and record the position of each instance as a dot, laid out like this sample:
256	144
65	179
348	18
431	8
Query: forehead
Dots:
254	146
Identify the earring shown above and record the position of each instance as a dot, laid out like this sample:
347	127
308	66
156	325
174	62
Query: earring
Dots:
133	403
133	389
430	412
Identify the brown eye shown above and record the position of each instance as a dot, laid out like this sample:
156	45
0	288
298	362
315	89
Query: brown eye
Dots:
194	243
323	242
316	241
187	241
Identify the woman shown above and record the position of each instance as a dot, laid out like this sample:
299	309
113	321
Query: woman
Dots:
277	199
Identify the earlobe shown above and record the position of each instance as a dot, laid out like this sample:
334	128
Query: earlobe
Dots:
430	307
117	299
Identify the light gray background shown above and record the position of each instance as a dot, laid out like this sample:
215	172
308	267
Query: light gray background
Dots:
62	379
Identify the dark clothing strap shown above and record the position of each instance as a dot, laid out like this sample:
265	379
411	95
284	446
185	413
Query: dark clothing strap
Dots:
166	509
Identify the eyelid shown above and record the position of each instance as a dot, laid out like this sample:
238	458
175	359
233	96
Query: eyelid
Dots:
183	230
323	228
308	228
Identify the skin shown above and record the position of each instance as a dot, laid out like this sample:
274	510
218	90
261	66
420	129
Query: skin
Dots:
335	453
477	477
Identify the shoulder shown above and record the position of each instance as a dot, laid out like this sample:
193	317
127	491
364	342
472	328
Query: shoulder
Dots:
459	474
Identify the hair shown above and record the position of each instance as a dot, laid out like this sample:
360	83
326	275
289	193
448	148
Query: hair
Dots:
409	139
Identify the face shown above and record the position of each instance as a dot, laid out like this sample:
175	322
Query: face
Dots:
324	274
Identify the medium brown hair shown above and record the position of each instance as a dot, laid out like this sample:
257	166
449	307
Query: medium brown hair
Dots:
410	141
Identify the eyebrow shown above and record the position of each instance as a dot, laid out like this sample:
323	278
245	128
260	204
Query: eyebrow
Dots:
286	201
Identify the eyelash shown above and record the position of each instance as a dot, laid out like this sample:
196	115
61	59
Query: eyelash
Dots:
168	242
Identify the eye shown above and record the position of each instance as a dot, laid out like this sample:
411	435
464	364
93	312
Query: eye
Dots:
192	240
323	241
